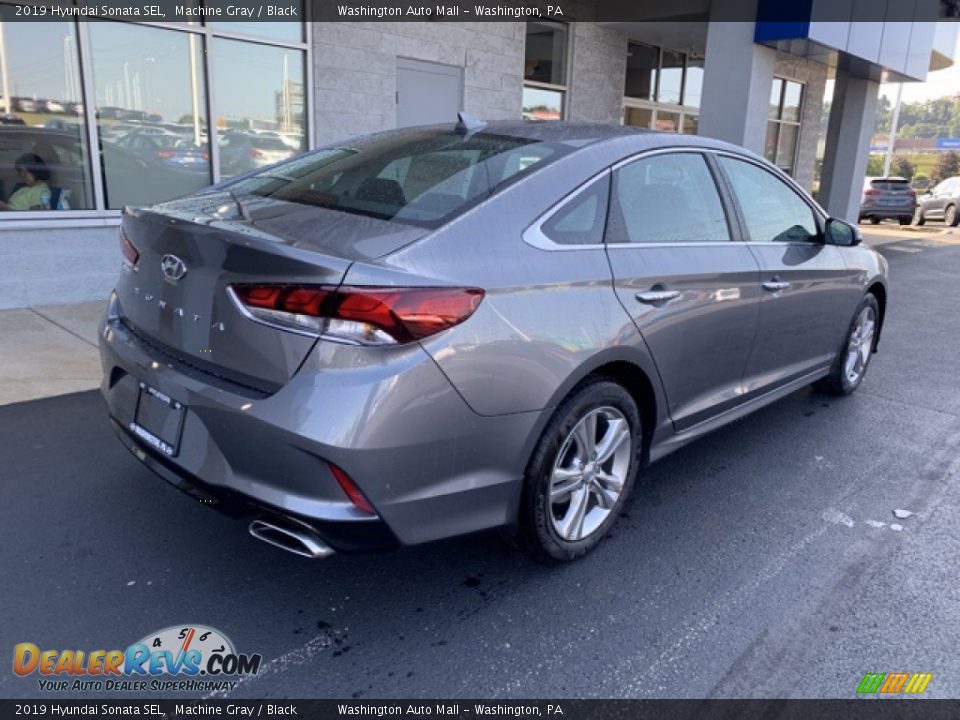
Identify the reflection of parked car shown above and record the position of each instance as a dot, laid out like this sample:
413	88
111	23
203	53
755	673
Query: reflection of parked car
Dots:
887	197
23	104
73	108
49	106
12	120
111	113
425	334
240	152
941	203
166	149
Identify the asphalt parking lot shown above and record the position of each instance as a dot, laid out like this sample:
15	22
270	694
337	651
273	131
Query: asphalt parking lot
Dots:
763	561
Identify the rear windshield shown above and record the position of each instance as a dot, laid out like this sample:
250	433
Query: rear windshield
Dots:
890	184
416	177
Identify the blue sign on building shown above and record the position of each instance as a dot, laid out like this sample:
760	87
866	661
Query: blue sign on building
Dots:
948	143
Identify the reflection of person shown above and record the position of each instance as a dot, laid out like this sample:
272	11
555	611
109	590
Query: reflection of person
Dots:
33	193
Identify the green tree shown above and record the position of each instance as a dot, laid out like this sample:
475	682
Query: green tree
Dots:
875	166
948	165
902	166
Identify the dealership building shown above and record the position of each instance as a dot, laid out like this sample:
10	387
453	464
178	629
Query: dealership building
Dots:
172	107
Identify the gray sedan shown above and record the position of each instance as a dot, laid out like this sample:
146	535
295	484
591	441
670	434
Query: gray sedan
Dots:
435	331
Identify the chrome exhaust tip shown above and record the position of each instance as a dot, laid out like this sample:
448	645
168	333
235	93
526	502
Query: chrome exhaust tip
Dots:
298	541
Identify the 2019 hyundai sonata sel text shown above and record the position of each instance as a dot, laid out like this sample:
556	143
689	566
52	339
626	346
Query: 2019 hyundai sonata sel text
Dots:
439	330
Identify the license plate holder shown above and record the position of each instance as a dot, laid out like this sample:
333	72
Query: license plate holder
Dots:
158	420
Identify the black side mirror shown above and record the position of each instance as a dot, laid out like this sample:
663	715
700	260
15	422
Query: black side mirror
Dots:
840	232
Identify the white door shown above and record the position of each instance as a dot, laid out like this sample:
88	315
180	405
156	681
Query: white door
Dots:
428	92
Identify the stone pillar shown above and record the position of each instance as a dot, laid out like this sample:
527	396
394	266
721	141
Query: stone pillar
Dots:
847	150
737	78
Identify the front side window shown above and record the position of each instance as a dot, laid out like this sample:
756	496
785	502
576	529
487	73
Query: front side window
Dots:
417	177
43	141
773	211
668	198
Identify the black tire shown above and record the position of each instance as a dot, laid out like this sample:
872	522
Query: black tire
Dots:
838	382
905	220
951	217
874	221
537	531
918	218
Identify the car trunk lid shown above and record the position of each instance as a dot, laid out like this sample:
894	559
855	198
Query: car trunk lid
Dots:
191	251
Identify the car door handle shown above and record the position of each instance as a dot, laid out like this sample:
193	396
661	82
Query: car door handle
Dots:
652	297
775	285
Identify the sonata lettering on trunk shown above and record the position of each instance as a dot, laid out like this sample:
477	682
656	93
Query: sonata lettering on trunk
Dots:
177	312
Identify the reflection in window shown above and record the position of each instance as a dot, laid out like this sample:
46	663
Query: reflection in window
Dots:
546	53
671	77
641	80
582	219
772	210
541	104
638	117
149	94
43	154
260	110
783	128
693	83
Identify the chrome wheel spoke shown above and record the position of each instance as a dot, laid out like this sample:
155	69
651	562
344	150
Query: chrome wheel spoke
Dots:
586	436
617	433
606	496
564	482
571	526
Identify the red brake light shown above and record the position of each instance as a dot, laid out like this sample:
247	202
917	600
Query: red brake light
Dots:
352	491
254	153
365	315
871	191
130	253
165	153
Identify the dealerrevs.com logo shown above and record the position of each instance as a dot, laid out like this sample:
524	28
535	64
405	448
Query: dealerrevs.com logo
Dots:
200	658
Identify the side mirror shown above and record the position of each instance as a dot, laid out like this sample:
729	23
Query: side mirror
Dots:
840	232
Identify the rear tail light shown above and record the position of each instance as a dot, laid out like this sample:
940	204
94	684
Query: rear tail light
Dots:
130	254
911	192
871	191
165	154
254	153
360	315
352	491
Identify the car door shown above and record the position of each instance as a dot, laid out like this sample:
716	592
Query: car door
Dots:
691	289
809	295
934	204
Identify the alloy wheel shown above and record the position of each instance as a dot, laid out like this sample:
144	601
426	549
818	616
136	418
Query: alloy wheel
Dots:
589	473
860	346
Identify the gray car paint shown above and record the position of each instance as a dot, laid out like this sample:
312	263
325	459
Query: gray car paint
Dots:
438	434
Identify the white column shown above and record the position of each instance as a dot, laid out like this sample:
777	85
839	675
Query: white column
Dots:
737	78
852	117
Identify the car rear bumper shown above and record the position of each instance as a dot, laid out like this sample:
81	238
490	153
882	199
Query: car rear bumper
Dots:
429	465
886	211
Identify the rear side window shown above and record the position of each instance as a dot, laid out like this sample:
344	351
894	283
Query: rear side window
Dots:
581	220
669	198
773	211
419	177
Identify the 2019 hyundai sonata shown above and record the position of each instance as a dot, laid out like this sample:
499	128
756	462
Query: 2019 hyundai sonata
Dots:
434	331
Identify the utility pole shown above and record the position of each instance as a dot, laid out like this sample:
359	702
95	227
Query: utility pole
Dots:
894	121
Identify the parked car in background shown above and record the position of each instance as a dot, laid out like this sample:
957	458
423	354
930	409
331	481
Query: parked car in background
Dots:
941	203
887	197
240	152
166	149
440	330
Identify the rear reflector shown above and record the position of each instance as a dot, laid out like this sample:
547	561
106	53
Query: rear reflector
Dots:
130	253
351	490
361	315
